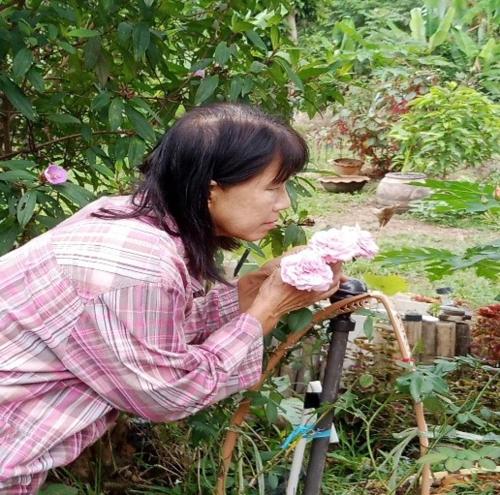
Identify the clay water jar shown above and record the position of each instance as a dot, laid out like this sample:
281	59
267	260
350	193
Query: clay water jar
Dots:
394	189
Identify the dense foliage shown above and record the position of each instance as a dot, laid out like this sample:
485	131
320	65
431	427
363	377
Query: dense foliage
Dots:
91	86
447	128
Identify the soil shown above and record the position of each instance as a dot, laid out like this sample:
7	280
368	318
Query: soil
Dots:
482	481
399	225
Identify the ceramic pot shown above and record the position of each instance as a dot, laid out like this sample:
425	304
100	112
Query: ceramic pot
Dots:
394	189
347	166
346	183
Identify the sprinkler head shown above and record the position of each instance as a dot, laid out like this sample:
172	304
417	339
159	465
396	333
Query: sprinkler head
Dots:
353	287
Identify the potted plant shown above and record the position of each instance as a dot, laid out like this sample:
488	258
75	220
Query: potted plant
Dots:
368	115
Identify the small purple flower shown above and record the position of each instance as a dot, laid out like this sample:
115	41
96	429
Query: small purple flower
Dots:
54	174
199	73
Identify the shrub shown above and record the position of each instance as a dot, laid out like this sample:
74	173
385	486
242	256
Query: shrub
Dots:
90	86
446	128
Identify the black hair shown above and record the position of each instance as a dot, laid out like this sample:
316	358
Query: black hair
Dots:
225	142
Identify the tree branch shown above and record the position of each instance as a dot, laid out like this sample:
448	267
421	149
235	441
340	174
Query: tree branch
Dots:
7	156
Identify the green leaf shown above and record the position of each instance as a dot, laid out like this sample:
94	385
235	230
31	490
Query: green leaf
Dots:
443	29
102	69
294	236
417	25
239	25
487	464
15	175
26	207
487	52
136	149
92	52
140	124
22	63
275	38
9	230
298	320
63	118
58	489
256	40
67	47
492	451
271	412
17	98
432	458
83	33
388	284
291	74
17	164
123	31
222	53
453	464
206	89
254	248
235	88
100	101
366	380
141	39
368	326
36	80
75	193
115	113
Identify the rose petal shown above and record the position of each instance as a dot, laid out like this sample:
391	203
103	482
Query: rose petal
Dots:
306	270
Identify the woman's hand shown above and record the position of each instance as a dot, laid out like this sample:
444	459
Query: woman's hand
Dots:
249	284
276	298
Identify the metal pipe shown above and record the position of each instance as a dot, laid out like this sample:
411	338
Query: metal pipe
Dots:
340	327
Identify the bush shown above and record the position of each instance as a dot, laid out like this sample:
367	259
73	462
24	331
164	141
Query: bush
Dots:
90	86
446	128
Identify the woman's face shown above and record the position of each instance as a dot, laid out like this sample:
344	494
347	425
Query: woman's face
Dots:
249	210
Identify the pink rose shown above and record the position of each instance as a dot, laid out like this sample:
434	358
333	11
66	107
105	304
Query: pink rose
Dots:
306	270
335	245
54	174
366	244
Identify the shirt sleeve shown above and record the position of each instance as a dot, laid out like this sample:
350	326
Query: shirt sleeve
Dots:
212	311
130	347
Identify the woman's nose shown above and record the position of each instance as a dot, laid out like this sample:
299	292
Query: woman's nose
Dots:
284	200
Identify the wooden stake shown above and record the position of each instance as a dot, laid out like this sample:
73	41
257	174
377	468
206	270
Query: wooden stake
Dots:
463	339
445	338
413	328
429	341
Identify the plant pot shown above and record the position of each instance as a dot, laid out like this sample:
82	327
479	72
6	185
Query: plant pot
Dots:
343	184
394	189
347	166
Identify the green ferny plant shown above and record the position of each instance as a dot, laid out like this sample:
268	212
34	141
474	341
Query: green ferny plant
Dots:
446	128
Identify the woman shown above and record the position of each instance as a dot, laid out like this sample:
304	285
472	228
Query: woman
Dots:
107	313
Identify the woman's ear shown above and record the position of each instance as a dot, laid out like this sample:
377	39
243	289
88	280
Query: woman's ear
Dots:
212	191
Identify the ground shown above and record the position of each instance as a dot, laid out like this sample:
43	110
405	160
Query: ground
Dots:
344	209
405	230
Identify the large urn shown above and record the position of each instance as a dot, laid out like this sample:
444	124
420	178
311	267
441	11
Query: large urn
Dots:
395	189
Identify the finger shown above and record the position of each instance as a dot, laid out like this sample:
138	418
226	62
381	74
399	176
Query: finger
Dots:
334	288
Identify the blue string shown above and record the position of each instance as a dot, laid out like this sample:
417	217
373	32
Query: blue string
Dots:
305	431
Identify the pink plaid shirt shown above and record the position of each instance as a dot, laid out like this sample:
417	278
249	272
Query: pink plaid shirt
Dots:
100	316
